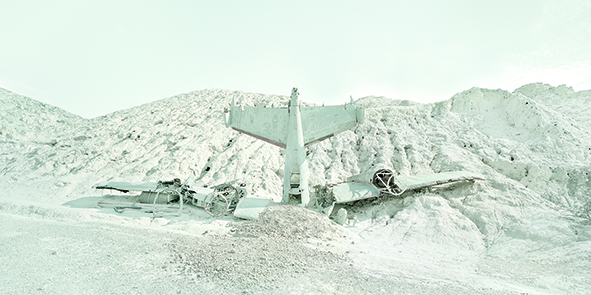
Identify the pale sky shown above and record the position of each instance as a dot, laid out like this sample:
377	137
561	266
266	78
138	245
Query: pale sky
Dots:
96	57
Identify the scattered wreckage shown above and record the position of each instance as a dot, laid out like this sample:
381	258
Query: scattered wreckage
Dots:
223	199
382	182
216	201
293	128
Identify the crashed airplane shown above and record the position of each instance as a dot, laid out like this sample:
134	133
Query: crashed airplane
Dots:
293	128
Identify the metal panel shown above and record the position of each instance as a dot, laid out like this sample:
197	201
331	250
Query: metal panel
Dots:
353	191
250	208
319	123
268	124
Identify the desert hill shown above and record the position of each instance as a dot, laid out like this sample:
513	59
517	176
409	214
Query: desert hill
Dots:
533	146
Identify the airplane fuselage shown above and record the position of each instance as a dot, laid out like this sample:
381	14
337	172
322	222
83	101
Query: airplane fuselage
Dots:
296	173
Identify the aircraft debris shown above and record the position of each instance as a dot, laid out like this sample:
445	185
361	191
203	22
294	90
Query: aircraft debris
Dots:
382	182
120	209
293	128
216	201
341	217
251	208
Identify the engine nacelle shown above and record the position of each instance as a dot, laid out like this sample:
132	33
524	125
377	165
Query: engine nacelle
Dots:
382	179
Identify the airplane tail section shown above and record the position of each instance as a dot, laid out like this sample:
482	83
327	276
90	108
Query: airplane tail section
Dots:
294	128
271	124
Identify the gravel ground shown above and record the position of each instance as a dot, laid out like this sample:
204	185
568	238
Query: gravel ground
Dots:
49	256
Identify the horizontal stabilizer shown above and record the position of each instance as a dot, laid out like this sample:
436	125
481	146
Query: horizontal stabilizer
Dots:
267	124
319	123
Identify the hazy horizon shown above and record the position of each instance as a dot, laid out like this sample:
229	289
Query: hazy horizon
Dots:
95	58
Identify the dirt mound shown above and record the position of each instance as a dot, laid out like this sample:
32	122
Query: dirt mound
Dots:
283	241
289	222
241	262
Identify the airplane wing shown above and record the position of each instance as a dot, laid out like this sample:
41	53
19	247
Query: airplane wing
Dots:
354	191
267	124
428	180
319	123
128	186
